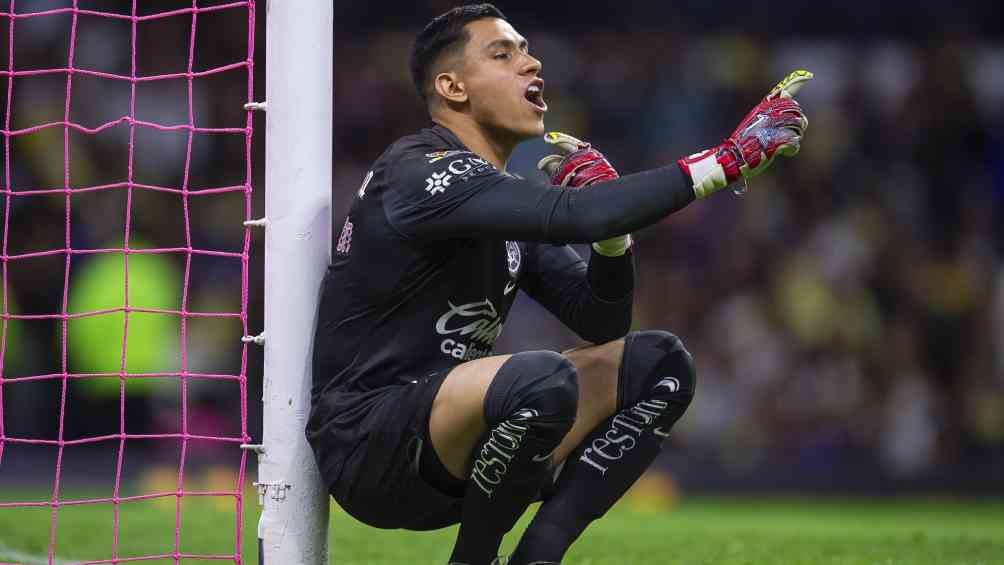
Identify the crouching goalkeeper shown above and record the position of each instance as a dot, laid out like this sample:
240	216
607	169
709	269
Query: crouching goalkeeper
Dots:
415	423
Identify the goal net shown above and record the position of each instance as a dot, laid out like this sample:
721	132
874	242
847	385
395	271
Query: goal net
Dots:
126	183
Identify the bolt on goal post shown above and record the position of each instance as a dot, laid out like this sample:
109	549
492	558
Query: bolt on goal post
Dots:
299	39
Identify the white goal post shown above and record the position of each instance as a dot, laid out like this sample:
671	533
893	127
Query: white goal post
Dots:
299	38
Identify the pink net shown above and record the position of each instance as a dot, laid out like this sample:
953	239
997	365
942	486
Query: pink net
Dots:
12	18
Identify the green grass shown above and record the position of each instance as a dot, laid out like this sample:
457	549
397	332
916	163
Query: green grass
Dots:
720	531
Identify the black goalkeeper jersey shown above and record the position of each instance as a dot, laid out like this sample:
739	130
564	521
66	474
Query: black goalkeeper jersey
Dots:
436	243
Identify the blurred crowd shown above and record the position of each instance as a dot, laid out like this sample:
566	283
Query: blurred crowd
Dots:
102	151
851	302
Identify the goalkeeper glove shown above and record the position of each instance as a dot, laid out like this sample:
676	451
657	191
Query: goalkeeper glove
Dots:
580	165
774	127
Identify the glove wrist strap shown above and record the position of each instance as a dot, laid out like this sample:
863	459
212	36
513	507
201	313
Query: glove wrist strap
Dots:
715	168
705	172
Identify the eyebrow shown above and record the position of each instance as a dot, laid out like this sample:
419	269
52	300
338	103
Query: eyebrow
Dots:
506	44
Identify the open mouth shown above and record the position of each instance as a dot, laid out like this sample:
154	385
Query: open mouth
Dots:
535	95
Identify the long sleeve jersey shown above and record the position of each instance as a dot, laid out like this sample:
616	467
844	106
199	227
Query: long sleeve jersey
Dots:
436	243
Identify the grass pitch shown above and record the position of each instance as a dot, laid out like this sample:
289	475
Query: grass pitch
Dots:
695	530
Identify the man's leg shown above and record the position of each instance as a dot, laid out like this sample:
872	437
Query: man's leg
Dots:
457	419
655	384
497	421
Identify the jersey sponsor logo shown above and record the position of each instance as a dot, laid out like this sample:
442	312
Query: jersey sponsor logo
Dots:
477	322
626	429
437	183
467	166
457	170
513	258
366	182
492	463
463	351
345	239
484	325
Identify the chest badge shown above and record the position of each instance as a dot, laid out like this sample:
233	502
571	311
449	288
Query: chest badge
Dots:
513	258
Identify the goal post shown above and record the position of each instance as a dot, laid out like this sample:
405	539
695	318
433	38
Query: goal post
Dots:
299	40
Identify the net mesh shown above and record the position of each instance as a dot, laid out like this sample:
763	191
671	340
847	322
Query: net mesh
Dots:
12	17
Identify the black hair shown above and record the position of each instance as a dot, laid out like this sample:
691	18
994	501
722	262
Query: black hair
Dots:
445	33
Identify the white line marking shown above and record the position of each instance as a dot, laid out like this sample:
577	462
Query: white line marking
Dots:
10	555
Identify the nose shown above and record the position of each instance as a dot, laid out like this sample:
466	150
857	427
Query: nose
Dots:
532	65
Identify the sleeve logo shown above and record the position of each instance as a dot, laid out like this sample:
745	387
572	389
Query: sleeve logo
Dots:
437	183
456	171
345	239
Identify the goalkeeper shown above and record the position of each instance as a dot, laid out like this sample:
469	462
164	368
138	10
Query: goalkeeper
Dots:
415	423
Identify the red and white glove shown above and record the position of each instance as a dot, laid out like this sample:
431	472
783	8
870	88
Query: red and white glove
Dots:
774	127
577	166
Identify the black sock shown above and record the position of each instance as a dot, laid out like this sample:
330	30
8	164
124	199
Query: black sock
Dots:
539	394
493	502
591	482
612	457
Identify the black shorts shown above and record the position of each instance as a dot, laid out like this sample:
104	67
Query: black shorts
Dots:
379	483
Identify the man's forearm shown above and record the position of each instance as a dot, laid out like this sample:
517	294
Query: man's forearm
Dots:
596	319
611	278
620	206
606	314
593	299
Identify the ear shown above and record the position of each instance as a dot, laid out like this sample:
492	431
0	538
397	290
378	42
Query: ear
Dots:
450	87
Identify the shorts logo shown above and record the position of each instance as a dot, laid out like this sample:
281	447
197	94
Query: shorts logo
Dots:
513	257
541	457
437	183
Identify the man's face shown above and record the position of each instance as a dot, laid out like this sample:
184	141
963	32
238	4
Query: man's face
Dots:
504	90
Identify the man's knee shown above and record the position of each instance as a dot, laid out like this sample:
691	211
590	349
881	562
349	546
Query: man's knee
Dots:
655	364
539	384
